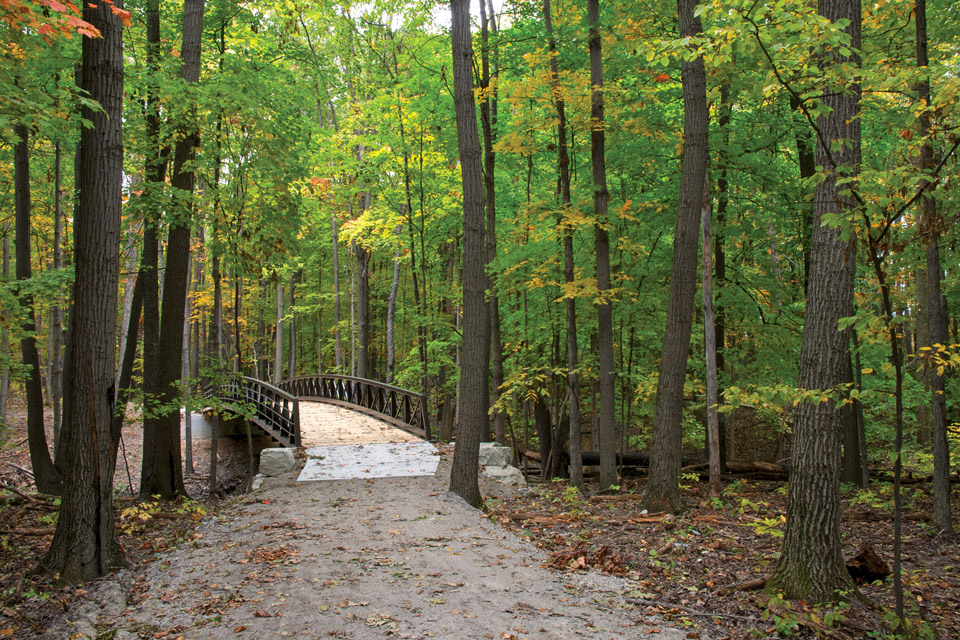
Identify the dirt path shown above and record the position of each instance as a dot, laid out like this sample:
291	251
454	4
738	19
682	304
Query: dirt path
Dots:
361	559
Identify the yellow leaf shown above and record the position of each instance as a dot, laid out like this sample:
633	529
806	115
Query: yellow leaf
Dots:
866	370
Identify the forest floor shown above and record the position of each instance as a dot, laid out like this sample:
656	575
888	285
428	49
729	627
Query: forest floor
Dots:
703	568
401	558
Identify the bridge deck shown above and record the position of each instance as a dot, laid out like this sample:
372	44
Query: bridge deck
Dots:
325	425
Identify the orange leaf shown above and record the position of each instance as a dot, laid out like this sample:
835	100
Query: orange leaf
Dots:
124	15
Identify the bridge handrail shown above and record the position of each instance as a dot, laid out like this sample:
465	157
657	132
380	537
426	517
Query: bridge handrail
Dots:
398	406
275	409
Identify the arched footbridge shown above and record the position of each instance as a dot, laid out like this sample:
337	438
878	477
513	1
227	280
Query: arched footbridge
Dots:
286	411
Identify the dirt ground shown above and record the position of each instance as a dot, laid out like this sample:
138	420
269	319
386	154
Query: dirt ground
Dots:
397	558
401	558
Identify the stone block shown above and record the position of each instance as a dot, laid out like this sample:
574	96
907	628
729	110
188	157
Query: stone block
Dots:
277	461
505	475
494	455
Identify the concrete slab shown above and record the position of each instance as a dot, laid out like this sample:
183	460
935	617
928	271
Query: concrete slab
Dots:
383	460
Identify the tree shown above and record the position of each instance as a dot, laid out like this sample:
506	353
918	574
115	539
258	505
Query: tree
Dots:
44	473
663	491
935	304
607	425
566	228
473	412
162	464
811	565
85	543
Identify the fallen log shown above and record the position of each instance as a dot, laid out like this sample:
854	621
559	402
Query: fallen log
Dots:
757	467
42	531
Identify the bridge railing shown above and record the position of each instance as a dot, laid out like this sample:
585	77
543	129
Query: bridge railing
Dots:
400	407
274	410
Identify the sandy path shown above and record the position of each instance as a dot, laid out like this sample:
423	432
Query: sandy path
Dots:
397	558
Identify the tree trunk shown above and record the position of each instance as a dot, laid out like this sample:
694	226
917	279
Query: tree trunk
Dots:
572	344
710	347
85	544
278	334
338	347
391	309
852	460
5	335
606	422
931	228
488	122
292	363
56	313
363	307
473	374
129	356
663	491
185	375
811	566
45	474
162	472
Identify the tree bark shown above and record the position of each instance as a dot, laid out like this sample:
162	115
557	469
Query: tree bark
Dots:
292	363
663	491
5	334
710	347
45	474
56	313
338	344
391	308
278	334
811	566
572	344
606	422
488	109
162	472
931	228
473	376
85	544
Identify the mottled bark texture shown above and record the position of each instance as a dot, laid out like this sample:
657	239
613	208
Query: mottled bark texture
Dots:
44	473
85	544
473	376
606	422
663	491
811	566
162	472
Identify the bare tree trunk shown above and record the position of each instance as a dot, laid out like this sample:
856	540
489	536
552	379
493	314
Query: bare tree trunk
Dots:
811	566
338	347
663	491
5	335
606	421
278	345
473	376
488	122
391	309
292	364
85	545
162	472
710	345
932	226
45	474
56	313
185	375
573	380
352	268
363	307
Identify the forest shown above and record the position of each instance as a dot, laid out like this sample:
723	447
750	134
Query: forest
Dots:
621	238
